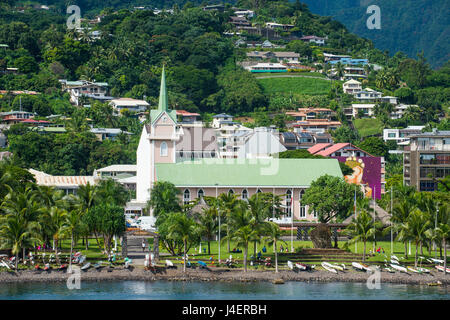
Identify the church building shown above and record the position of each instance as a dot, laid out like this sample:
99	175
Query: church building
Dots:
163	140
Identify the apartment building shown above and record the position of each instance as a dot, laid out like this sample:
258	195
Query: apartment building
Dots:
426	160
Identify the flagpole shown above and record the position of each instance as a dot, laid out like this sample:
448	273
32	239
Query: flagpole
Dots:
356	242
292	221
392	243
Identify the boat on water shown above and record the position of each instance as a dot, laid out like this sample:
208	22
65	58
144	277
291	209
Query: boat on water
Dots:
86	266
441	268
326	266
399	268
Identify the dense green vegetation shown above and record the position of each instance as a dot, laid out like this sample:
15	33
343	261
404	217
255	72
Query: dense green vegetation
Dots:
427	33
298	85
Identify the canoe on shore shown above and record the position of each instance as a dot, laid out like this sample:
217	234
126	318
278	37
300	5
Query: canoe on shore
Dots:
441	268
399	268
358	266
326	266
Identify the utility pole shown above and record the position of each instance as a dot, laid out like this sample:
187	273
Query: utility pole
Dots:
392	244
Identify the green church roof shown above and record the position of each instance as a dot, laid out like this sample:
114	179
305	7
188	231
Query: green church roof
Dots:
247	172
163	105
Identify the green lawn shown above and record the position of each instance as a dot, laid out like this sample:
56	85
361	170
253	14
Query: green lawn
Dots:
368	127
295	85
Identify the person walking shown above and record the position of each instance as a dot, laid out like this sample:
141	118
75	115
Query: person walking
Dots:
143	245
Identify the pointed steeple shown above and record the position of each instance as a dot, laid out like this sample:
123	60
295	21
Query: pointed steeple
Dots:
163	101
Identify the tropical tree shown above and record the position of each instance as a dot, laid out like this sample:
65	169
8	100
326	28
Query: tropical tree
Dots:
207	221
417	224
15	233
227	203
242	231
330	197
272	234
400	214
184	229
54	222
73	224
362	228
164	199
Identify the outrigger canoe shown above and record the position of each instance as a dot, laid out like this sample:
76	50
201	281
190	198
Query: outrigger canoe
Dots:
399	268
413	270
435	260
86	266
290	265
358	266
441	268
326	266
300	266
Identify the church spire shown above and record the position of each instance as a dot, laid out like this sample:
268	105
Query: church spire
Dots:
163	101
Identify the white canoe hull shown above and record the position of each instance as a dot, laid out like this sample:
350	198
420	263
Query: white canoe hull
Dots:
327	267
399	268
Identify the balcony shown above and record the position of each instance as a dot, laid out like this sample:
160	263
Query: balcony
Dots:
427	147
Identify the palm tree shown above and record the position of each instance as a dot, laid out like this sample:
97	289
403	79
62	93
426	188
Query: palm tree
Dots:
73	223
259	212
227	203
242	237
361	229
400	214
183	228
417	224
15	233
207	221
241	229
86	198
273	235
54	221
164	199
444	231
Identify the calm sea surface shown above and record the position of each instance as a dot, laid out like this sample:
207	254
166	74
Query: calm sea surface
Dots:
122	290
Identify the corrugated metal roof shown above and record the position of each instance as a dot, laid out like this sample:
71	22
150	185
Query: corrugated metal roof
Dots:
247	172
317	147
332	149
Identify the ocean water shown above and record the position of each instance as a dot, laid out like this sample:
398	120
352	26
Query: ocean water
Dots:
166	290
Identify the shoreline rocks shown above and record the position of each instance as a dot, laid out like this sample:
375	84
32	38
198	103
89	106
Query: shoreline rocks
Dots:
139	274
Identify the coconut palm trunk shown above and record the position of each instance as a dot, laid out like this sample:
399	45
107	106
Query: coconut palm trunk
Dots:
276	255
184	256
245	256
415	257
445	256
71	250
364	251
